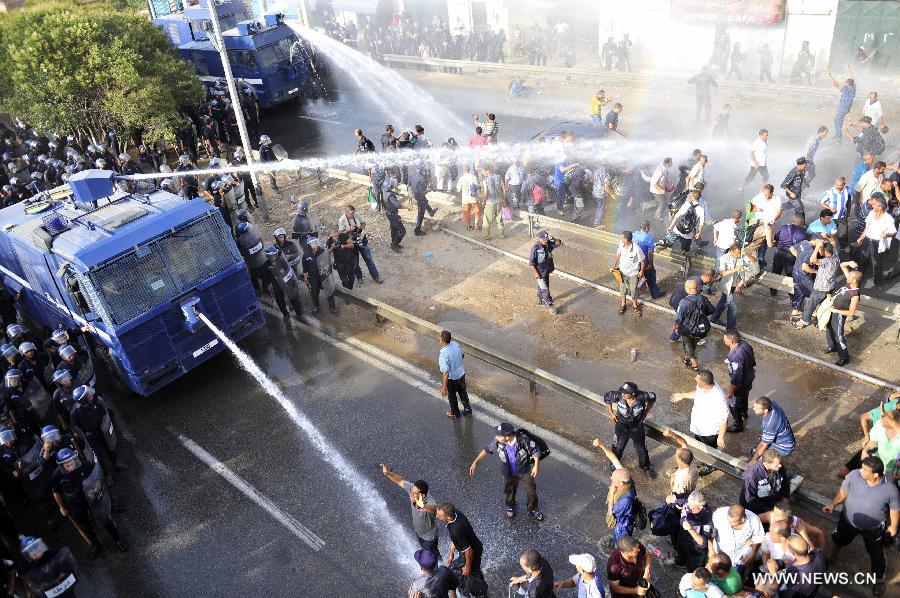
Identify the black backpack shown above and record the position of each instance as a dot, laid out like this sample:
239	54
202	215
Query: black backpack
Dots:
541	449
687	222
640	514
695	323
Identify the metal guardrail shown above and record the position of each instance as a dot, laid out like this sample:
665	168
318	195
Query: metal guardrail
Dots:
583	396
879	307
606	76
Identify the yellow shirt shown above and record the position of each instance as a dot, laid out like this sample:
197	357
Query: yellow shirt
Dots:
597	103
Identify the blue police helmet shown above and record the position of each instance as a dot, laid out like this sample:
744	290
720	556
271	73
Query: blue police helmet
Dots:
271	251
26	347
243	227
83	393
50	434
12	376
9	352
32	547
279	232
8	156
66	351
7	435
7	188
14	330
60	336
60	376
243	215
65	455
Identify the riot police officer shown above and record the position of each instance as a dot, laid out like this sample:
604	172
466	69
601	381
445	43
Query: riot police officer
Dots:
48	572
54	441
184	164
240	160
318	272
127	165
92	417
250	244
303	227
289	249
266	154
419	182
34	364
84	511
72	361
63	401
286	284
215	188
628	408
11	356
392	206
15	403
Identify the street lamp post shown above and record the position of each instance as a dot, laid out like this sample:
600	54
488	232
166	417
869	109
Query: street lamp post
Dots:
236	106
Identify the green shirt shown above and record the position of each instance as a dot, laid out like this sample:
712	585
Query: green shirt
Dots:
875	414
888	448
731	585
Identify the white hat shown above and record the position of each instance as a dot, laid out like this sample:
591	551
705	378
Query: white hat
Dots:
585	562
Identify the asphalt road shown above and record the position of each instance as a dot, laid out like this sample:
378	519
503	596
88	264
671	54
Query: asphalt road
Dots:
297	525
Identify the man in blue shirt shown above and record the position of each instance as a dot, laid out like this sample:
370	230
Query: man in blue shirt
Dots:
803	274
643	238
825	225
861	168
450	360
845	103
786	237
741	364
776	429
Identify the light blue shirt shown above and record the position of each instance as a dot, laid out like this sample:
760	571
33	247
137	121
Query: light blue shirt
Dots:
837	200
450	360
817	227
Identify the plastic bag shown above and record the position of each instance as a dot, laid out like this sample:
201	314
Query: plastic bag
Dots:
372	198
506	213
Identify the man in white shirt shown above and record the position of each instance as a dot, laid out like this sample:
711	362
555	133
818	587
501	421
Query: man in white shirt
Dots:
876	239
774	552
709	416
699	581
659	185
469	190
870	181
767	209
725	233
697	173
739	534
355	226
630	261
873	110
759	158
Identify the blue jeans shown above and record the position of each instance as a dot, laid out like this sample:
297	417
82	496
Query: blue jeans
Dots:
560	197
597	120
598	211
650	275
839	117
366	254
726	301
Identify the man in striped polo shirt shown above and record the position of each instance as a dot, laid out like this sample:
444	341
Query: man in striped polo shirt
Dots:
775	432
809	152
837	199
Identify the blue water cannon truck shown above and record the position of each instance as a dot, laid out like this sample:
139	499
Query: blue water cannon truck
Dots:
131	268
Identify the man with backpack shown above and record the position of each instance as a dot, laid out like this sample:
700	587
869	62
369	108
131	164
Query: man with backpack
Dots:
688	221
692	321
520	454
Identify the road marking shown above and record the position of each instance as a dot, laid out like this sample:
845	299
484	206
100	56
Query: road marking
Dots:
295	527
321	120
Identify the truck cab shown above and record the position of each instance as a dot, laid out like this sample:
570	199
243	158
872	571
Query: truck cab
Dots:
134	267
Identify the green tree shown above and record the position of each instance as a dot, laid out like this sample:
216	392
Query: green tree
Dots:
66	66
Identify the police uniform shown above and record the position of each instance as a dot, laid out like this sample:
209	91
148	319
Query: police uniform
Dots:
94	421
742	371
418	182
250	243
292	254
286	282
69	487
320	274
267	155
392	206
630	420
542	260
302	227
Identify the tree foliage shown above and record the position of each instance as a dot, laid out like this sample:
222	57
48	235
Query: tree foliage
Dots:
65	66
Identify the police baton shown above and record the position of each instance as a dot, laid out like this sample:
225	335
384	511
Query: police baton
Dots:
79	530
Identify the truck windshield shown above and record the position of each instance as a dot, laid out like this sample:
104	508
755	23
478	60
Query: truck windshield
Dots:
278	54
158	271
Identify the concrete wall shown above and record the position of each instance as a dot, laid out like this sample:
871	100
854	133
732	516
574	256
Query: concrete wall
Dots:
459	13
813	21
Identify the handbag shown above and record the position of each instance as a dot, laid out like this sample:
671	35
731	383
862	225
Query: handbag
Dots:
617	274
506	213
664	520
823	312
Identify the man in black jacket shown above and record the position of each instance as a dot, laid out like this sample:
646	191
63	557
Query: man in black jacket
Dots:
538	579
463	540
628	408
520	458
766	483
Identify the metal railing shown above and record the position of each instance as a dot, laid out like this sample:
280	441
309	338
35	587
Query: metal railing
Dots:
879	307
538	377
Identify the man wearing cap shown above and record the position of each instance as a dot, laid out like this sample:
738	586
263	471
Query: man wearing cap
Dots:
319	274
793	186
355	226
587	582
434	580
520	458
423	509
628	408
541	263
